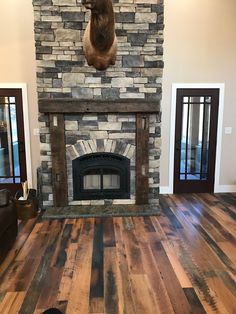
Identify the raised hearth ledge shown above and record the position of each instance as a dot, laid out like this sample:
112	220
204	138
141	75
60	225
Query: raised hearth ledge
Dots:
65	105
85	211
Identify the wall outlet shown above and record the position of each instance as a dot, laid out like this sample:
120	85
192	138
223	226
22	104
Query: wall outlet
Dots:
228	130
36	132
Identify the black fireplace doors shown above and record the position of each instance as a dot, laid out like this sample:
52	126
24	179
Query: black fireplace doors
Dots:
101	176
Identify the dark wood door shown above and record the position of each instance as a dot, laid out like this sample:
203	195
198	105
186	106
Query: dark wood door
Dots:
12	141
195	140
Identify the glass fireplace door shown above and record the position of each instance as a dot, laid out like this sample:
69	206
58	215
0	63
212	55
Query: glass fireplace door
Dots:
101	176
101	179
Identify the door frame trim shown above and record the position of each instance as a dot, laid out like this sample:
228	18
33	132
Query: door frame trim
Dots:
221	86
23	87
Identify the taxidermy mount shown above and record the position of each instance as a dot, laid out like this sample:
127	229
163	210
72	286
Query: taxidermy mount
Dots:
100	42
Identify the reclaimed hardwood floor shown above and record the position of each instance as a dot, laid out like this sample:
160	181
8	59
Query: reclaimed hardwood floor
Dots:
183	261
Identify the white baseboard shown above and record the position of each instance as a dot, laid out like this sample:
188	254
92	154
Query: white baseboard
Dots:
166	190
218	189
225	189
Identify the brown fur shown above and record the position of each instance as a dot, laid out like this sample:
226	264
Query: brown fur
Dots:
100	43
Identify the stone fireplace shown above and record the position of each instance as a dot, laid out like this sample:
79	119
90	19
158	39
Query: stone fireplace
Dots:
99	130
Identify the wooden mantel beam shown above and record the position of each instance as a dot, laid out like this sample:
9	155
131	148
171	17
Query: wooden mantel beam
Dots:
98	106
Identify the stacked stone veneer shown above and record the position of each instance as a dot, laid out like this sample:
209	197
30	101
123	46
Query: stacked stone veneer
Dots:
86	134
93	133
62	72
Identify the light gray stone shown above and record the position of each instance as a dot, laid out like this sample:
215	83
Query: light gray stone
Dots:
108	146
121	135
47	189
92	145
109	126
154	163
45	147
122	82
99	134
88	149
124	201
82	93
145	17
71	125
71	35
72	152
72	79
51	18
133	61
64	2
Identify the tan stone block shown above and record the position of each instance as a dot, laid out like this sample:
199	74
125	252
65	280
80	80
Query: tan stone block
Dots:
109	126
51	18
64	2
98	134
72	79
67	35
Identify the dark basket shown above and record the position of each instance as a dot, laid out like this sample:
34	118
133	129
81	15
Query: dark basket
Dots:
26	209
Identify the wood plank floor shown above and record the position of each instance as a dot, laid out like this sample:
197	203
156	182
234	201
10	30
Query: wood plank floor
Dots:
183	261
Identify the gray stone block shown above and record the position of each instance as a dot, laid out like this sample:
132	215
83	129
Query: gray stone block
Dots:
132	61
100	145
128	125
74	25
110	93
82	93
71	139
44	49
42	25
57	83
73	16
78	147
124	17
42	2
137	39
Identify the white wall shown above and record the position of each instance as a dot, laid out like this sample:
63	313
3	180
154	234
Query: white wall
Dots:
200	47
17	60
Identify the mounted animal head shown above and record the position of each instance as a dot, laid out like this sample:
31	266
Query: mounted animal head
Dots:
98	6
100	44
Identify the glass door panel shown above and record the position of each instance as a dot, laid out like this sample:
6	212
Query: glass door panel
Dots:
92	180
101	179
111	179
194	139
9	146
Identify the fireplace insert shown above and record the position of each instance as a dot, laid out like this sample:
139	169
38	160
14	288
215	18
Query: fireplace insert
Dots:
101	176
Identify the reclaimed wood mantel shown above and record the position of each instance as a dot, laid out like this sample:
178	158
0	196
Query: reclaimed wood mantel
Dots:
65	105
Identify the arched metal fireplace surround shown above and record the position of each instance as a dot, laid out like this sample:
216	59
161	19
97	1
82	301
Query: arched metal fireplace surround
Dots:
101	176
